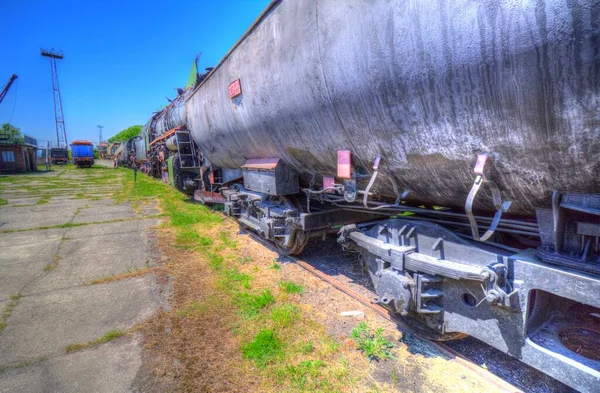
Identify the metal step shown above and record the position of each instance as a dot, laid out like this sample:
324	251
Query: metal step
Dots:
430	309
432	294
423	296
425	278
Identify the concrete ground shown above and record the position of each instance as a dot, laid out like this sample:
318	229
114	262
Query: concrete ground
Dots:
106	163
59	231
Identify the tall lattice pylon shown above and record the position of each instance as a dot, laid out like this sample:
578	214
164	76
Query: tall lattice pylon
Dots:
61	132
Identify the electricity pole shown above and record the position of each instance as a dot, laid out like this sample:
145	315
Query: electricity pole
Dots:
61	132
100	134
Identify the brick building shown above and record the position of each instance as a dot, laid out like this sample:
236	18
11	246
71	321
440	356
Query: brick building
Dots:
18	155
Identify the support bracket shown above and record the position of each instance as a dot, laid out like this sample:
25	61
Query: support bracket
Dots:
501	207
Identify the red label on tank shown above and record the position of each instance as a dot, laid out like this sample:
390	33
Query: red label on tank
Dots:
235	88
343	164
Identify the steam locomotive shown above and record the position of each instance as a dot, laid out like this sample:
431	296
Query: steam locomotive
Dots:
455	146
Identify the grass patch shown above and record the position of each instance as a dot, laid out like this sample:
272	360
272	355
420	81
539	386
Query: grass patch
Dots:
275	266
245	260
250	305
226	241
307	348
43	200
265	348
194	309
21	364
285	314
331	345
306	376
190	239
14	302
231	279
290	287
110	336
180	218
373	344
215	261
187	239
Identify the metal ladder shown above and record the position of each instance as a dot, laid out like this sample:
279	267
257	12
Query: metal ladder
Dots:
186	149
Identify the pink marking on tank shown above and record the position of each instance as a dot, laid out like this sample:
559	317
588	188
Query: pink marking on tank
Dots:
480	164
328	182
344	167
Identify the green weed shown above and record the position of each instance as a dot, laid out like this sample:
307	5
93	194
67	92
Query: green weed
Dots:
43	200
285	314
331	345
205	241
307	348
231	278
306	376
373	344
265	348
290	287
112	335
187	239
250	305
245	260
191	239
215	261
275	266
226	241
22	364
14	301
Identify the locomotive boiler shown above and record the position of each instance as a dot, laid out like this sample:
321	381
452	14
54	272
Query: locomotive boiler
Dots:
453	145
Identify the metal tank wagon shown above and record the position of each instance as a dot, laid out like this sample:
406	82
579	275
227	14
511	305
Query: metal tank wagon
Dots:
454	145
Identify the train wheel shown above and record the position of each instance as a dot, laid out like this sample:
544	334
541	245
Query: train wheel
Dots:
299	240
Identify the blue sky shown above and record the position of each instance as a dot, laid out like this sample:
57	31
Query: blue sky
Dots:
121	58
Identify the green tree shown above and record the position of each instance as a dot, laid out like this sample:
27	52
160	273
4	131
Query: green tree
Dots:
126	134
11	133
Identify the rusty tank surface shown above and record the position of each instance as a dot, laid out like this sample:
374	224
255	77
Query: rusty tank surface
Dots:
432	86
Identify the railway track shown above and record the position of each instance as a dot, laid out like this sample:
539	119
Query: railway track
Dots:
501	363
